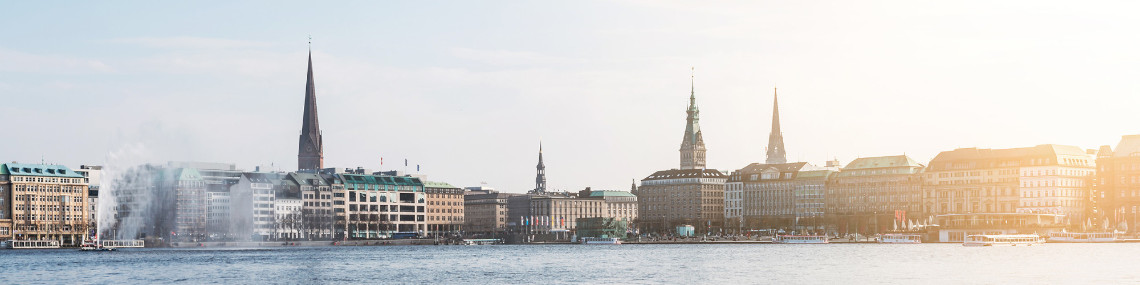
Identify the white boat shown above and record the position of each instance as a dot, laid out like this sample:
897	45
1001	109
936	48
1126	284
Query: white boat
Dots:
94	246
594	240
900	238
1082	237
481	241
799	239
999	240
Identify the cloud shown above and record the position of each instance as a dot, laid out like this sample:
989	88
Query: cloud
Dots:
22	62
190	43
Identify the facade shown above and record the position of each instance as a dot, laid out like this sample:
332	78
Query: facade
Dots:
218	215
43	202
317	204
485	210
310	150
670	198
93	174
380	206
875	194
786	196
1045	179
290	225
444	208
1118	185
252	209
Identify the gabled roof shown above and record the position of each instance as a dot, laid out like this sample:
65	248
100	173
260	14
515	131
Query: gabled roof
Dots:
45	170
1129	146
304	178
989	158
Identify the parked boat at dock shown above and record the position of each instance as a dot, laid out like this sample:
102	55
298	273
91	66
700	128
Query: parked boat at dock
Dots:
799	239
1000	240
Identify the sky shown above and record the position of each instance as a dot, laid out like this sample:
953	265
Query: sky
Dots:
468	89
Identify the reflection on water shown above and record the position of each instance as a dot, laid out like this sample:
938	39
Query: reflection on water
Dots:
835	263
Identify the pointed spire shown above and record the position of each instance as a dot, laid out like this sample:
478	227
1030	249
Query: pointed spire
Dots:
310	153
776	152
540	176
692	144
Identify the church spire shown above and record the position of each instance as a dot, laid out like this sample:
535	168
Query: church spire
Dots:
776	138
693	143
310	152
540	177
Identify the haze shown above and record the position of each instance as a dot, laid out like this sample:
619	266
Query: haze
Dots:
467	89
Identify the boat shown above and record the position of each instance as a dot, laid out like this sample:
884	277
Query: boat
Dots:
598	240
1082	237
999	240
94	246
799	239
481	241
900	238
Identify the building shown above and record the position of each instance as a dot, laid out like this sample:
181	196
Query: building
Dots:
252	205
444	208
1118	185
875	194
776	196
218	216
776	153
485	210
93	174
310	150
43	202
379	206
692	195
1045	179
290	224
316	215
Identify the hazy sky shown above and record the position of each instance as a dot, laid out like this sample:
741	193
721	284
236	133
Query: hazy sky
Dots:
468	88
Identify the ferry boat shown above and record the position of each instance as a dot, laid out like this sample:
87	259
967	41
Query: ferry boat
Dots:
900	238
999	240
481	241
595	240
94	246
1082	237
799	239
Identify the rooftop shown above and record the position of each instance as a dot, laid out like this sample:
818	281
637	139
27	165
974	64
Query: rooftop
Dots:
46	170
685	173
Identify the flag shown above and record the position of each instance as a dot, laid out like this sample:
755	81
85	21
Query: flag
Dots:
405	162
381	161
417	168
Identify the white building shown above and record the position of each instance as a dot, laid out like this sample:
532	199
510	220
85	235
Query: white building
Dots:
289	223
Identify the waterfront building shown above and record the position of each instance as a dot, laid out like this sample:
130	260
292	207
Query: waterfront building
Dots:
43	202
317	204
93	175
786	196
380	206
218	215
485	210
1045	179
691	195
444	208
289	222
252	205
875	194
339	202
1118	185
310	150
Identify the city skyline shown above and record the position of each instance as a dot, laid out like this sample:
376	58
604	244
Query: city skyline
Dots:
183	92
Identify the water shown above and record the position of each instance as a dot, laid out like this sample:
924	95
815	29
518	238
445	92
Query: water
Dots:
622	264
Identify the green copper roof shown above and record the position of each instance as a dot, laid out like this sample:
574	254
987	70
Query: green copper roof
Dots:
610	193
814	174
3	169
434	184
882	162
45	170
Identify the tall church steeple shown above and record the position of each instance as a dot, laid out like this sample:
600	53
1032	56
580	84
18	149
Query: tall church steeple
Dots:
776	138
693	144
540	177
310	150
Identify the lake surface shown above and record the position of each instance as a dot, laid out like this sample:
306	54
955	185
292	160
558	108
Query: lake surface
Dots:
621	264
